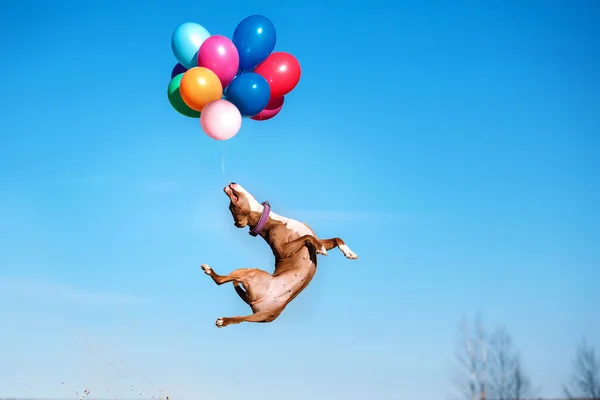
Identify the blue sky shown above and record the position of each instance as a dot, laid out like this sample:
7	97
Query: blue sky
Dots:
452	145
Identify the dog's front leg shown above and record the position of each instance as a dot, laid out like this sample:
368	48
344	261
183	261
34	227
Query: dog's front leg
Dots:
293	247
339	243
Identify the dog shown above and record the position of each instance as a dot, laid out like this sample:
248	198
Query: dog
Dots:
295	247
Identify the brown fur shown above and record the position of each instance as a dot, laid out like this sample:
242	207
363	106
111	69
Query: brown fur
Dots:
295	247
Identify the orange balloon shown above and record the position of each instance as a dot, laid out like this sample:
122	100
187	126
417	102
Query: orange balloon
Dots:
200	86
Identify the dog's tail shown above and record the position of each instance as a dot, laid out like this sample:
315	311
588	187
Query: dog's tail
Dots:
241	293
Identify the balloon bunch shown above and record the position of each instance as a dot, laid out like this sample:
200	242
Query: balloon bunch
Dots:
220	80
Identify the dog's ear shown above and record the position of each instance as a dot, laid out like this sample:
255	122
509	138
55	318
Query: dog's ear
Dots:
242	203
239	204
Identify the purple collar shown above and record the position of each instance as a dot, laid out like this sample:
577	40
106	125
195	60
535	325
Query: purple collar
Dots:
262	221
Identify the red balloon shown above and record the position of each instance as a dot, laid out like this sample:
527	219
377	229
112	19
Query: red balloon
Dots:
282	71
272	109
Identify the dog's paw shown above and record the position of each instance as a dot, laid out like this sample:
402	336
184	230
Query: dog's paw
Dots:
348	253
220	323
207	270
322	251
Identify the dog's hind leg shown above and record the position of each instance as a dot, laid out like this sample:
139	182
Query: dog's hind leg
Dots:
337	242
261	316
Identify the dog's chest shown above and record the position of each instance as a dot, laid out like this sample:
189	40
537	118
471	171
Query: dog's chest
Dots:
296	229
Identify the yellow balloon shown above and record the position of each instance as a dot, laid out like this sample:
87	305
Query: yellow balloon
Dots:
200	86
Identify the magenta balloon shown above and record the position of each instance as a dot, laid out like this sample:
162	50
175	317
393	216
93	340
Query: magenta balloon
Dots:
272	109
220	55
220	120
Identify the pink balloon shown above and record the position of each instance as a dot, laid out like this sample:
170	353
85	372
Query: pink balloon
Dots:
220	55
220	120
272	109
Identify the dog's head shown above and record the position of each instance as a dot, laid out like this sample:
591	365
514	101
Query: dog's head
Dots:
242	204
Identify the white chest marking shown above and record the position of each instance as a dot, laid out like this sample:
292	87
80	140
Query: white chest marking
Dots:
293	225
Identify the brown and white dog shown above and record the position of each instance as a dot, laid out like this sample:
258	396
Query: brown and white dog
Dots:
295	247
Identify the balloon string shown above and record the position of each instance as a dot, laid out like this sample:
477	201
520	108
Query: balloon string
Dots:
223	157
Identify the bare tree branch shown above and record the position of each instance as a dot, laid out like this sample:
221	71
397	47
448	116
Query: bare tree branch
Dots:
471	355
506	377
481	342
585	381
502	363
521	384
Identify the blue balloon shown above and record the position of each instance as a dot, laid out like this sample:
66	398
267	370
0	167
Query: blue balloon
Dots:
186	41
178	69
254	39
249	92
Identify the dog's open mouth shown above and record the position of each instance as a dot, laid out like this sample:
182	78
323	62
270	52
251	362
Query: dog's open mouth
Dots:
231	193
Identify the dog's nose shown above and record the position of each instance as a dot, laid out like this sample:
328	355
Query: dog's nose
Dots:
233	183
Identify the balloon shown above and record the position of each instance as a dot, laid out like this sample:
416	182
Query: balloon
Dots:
282	71
177	69
221	120
199	86
249	92
220	55
255	39
272	109
176	100
185	42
